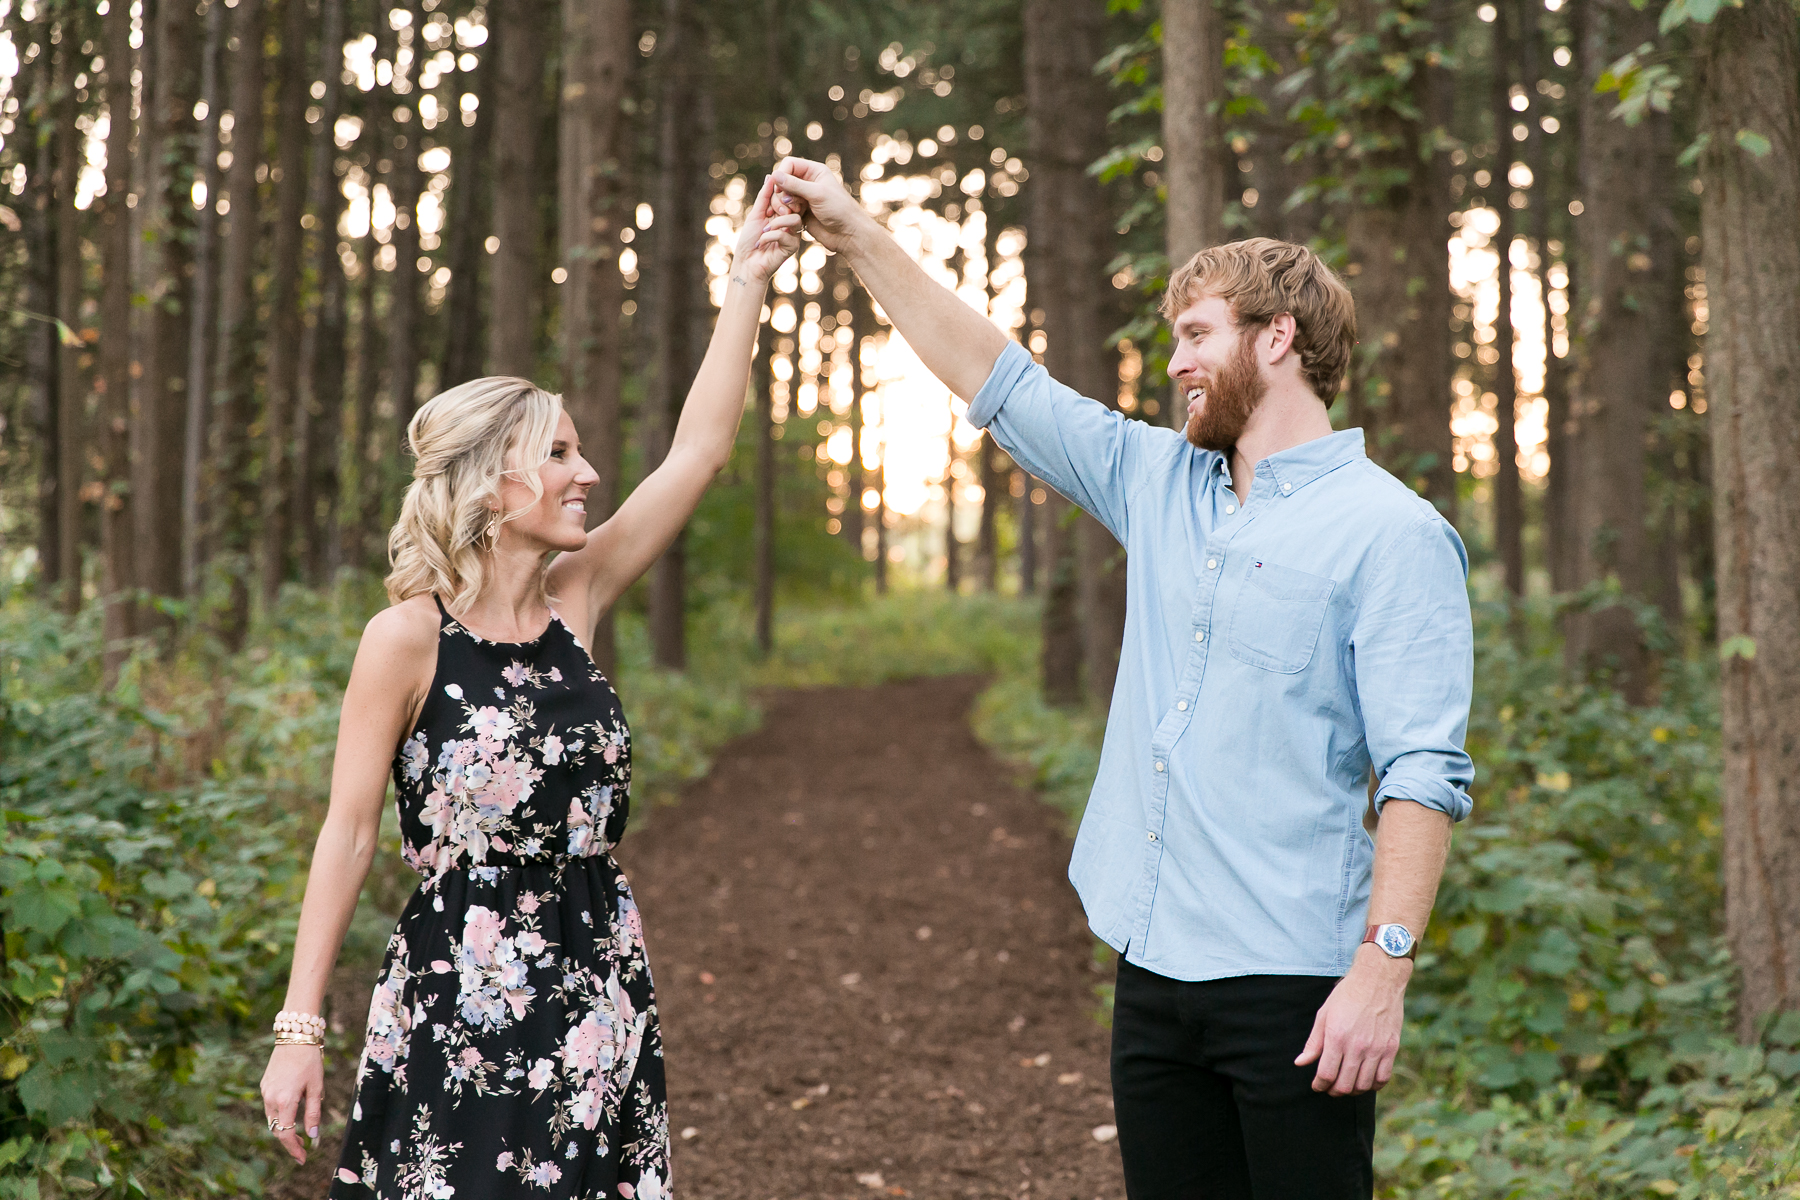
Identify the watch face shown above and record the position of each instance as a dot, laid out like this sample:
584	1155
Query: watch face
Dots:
1394	939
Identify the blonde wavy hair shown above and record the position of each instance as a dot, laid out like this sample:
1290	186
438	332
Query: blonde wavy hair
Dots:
464	443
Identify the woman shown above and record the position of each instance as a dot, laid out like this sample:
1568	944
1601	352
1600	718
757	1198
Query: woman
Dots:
512	1044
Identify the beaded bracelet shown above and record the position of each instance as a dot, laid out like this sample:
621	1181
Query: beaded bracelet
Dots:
299	1029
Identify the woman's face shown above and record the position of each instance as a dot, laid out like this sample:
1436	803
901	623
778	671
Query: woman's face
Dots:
558	519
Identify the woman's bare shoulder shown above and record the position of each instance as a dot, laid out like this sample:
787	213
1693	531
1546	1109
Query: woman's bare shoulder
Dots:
402	631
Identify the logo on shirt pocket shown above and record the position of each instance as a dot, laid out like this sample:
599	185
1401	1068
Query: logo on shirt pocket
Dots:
1275	624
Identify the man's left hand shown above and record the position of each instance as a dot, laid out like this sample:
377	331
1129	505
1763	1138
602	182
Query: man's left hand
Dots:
1357	1032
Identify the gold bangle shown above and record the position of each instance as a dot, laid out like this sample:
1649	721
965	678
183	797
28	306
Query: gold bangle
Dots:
287	1039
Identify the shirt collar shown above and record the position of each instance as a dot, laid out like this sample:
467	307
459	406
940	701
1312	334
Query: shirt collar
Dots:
1298	466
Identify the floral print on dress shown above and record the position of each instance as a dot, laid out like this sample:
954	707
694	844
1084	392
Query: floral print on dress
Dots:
512	1045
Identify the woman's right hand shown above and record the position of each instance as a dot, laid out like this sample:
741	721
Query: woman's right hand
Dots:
293	1084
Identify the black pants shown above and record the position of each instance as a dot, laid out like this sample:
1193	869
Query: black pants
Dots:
1210	1104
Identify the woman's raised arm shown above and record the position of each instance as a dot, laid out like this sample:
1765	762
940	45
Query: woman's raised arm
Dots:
387	688
624	547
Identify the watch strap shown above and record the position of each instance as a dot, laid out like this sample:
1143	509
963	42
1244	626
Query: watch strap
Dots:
1374	935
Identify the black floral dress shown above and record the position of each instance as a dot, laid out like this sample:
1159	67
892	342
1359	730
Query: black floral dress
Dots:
512	1045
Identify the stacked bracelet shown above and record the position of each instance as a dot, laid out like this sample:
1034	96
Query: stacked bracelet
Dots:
299	1029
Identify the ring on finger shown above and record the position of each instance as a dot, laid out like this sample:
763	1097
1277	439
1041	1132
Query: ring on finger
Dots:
276	1127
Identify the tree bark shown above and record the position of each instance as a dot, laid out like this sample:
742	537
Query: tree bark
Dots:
1195	167
1399	269
319	418
288	179
1752	258
1624	238
1549	196
159	431
1070	231
71	406
202	325
597	63
363	544
406	183
1509	501
518	102
952	548
766	463
118	575
678	289
1029	520
43	341
471	216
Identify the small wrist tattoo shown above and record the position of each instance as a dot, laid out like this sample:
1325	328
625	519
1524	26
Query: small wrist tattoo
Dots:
740	279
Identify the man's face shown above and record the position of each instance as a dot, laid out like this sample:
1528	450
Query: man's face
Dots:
1215	366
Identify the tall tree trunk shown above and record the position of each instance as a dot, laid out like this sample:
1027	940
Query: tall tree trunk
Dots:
766	463
406	184
1547	196
952	548
1509	501
363	544
277	482
679	286
1195	166
518	102
1623	240
1752	257
118	575
43	345
202	326
160	429
234	405
995	471
1029	520
71	404
1399	266
597	62
471	216
1070	230
319	418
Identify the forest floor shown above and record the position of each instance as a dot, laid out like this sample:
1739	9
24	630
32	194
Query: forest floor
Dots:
872	974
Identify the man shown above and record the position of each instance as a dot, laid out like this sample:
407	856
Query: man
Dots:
1296	619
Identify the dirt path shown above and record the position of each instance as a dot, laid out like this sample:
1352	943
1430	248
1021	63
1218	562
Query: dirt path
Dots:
872	974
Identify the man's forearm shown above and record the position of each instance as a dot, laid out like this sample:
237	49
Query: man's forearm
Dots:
956	343
1411	844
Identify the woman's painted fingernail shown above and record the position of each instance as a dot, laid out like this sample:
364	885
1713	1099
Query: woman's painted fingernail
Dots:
313	1133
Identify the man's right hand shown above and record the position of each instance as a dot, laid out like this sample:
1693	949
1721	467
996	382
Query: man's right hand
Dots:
833	217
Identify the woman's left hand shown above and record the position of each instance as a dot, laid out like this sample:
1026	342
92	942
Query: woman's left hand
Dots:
771	232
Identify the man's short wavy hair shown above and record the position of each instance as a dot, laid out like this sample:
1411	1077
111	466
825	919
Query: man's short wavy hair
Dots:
1261	278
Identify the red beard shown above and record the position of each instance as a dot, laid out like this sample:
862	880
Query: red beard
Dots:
1232	396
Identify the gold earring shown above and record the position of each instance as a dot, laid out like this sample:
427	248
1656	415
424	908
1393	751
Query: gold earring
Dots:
492	532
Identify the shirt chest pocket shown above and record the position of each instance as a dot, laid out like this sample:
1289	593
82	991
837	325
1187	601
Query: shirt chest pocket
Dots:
1279	613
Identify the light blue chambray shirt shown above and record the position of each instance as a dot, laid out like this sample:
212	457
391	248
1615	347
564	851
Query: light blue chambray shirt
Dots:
1274	654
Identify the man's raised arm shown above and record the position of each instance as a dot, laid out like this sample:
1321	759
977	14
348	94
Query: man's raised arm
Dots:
956	343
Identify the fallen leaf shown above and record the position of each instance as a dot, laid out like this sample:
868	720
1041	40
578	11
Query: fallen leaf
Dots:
1017	1023
799	1104
871	1179
1105	1133
1068	1077
850	980
689	1134
707	978
924	933
1042	1060
821	1090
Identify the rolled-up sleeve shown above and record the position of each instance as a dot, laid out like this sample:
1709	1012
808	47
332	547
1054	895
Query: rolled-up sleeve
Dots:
1078	446
1414	647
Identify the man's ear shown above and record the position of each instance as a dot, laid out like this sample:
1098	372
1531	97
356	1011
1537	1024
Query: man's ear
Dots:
1281	332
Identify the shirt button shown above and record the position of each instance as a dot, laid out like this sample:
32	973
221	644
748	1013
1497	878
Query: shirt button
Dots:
1181	706
1211	563
1152	835
1199	635
1230	508
1159	765
1287	487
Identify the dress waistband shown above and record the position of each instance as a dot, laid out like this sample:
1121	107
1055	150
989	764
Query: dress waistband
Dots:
556	862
